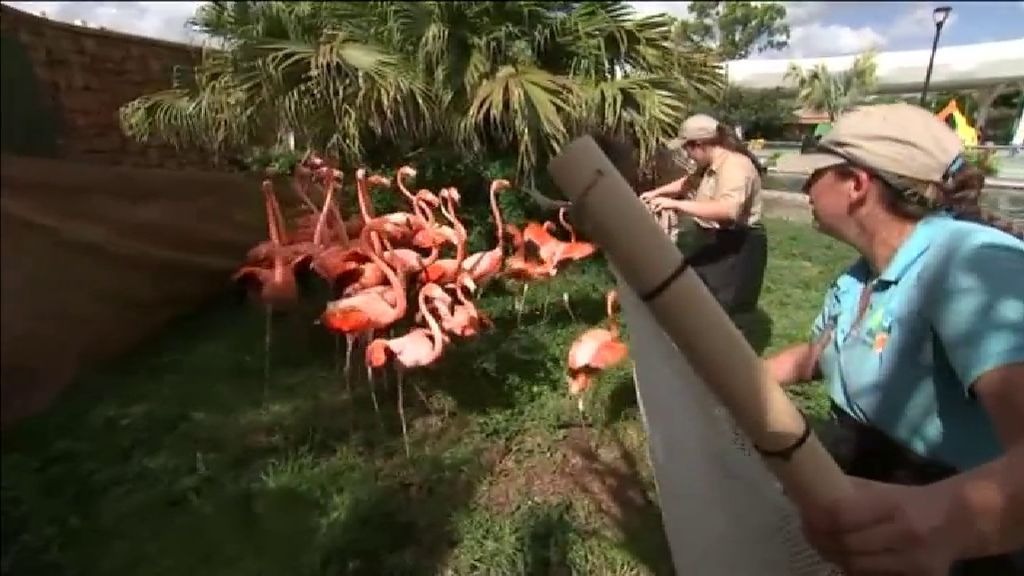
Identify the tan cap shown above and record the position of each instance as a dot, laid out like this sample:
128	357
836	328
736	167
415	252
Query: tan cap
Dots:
696	127
894	139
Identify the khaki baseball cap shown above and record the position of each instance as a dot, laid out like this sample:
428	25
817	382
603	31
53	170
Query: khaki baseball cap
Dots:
696	127
892	139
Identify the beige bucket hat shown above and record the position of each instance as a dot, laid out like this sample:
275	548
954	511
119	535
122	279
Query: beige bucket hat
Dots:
890	139
696	127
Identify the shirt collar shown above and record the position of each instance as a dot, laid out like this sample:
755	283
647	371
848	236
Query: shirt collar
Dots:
913	247
718	157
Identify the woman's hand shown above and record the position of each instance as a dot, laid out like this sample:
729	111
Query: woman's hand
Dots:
651	195
663	203
886	529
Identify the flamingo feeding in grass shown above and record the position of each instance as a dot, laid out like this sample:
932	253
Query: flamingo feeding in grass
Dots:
420	347
594	351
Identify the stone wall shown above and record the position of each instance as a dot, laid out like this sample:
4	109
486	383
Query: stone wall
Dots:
63	86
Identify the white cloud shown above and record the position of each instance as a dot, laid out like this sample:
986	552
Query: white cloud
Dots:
164	20
917	22
816	39
677	9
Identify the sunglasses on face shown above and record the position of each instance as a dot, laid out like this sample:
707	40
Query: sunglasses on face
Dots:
848	164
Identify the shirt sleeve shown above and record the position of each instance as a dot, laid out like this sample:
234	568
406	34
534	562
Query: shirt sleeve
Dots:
733	183
976	306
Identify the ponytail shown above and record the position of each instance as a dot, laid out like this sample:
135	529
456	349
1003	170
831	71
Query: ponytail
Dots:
726	138
959	195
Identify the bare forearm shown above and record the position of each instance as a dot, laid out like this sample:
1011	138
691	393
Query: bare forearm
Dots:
987	506
793	365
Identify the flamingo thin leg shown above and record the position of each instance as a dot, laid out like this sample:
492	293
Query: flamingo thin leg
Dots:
337	353
401	414
521	304
373	390
423	397
266	350
565	300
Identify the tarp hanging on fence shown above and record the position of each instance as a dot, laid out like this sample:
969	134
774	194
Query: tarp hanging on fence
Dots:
723	511
96	258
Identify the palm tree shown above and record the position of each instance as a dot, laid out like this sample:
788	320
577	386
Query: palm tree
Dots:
821	90
468	76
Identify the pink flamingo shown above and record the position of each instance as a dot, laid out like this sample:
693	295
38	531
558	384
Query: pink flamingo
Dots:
483	266
420	347
368	311
593	351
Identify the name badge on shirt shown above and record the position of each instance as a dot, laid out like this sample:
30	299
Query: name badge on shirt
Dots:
878	328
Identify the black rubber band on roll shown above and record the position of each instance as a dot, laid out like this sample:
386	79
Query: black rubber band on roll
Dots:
786	454
664	284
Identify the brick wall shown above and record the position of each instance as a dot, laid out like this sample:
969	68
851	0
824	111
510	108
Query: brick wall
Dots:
81	78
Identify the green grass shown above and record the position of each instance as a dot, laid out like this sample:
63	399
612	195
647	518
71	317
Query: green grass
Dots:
174	462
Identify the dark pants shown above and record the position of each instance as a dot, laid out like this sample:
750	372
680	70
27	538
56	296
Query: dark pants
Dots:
731	263
865	452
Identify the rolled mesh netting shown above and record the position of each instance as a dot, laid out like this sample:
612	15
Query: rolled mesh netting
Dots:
723	511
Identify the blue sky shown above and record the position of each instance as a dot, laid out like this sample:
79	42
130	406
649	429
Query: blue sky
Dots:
818	28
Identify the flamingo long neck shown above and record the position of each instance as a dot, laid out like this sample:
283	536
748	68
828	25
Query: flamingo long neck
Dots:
613	324
322	221
435	250
400	181
275	221
393	278
565	223
460	230
336	212
460	293
498	225
424	211
300	185
517	241
363	197
437	337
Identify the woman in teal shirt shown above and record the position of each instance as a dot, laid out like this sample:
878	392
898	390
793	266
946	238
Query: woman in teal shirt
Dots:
921	346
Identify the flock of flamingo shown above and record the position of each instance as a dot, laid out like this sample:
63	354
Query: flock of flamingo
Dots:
375	264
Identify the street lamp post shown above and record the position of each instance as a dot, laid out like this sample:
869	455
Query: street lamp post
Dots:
939	16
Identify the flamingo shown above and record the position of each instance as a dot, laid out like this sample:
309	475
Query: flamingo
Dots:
433	234
518	267
483	266
420	347
405	225
573	250
594	351
446	271
367	311
275	286
463	319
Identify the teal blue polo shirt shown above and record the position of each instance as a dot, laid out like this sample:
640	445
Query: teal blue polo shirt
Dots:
948	308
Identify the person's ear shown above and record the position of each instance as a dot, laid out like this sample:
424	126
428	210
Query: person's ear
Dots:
857	188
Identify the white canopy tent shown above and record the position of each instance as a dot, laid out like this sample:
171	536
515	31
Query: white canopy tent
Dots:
982	65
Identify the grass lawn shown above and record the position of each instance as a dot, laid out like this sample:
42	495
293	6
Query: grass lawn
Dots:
173	462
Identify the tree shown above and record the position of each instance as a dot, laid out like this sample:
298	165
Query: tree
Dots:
761	113
819	89
734	29
466	76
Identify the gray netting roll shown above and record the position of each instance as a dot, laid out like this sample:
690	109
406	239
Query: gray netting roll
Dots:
723	511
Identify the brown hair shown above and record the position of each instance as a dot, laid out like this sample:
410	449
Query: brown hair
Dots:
915	199
725	137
